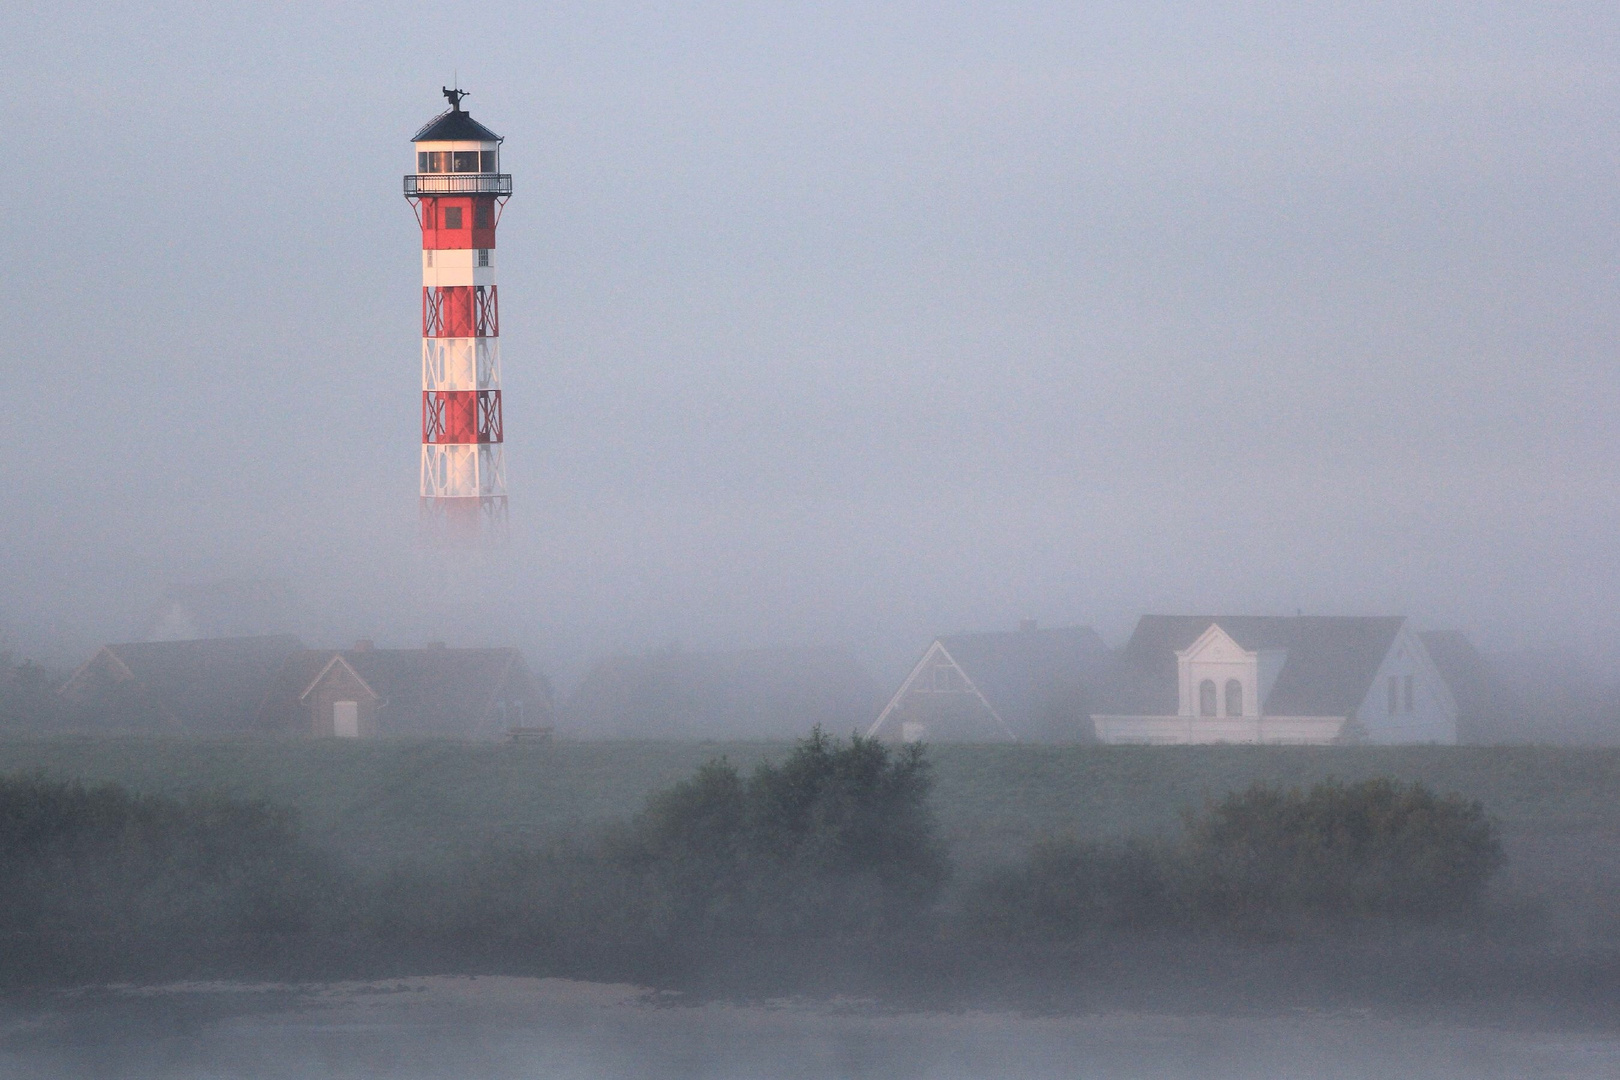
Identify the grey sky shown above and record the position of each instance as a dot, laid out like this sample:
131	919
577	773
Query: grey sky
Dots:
827	322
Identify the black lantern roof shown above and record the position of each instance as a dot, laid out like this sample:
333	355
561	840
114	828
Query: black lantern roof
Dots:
453	125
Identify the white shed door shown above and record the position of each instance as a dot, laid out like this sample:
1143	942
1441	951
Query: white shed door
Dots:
346	719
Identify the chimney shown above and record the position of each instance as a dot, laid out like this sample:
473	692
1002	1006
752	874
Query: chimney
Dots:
365	644
1028	624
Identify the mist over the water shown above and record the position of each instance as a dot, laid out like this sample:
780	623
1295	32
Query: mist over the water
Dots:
853	322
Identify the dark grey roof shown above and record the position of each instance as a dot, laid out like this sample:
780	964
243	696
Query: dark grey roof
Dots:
1331	660
432	691
453	125
745	693
206	686
1028	673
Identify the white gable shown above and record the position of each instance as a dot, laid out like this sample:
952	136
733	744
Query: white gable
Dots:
1408	701
1214	646
939	677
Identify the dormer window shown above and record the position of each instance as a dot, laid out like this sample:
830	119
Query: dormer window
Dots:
1218	677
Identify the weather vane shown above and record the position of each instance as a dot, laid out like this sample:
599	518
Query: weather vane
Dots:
454	96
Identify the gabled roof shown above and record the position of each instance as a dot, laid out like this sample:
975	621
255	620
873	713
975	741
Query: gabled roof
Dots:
1331	660
337	661
743	693
453	125
205	685
1023	673
432	691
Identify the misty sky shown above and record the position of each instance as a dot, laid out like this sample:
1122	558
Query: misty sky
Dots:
825	322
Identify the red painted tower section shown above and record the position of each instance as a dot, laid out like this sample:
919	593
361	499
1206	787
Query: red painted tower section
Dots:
458	192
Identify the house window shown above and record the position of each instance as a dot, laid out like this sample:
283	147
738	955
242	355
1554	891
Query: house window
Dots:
452	217
1408	693
483	215
1394	693
1206	698
483	256
346	719
1234	698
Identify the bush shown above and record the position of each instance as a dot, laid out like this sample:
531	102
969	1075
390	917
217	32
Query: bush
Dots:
838	837
1259	860
96	877
1068	890
1375	848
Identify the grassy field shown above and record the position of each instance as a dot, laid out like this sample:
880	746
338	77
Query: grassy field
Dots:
385	801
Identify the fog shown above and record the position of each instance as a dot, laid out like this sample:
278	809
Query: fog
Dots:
849	323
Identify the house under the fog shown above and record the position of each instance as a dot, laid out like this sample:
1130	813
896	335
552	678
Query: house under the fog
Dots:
776	693
431	692
207	686
1026	685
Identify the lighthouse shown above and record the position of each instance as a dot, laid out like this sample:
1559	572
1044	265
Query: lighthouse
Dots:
458	191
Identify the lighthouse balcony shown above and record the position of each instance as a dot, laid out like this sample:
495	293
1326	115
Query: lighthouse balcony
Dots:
457	184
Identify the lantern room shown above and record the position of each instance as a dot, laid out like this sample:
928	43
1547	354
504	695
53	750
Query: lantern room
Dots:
456	155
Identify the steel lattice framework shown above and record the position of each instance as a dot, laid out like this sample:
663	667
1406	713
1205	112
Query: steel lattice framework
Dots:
458	192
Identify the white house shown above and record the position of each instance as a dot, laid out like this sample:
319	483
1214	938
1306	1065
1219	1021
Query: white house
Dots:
1270	679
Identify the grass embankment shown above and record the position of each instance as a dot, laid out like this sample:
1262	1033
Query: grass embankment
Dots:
382	802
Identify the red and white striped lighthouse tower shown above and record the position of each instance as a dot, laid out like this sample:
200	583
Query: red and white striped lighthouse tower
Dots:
458	191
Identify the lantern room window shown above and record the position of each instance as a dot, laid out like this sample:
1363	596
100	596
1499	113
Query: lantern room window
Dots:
464	160
489	161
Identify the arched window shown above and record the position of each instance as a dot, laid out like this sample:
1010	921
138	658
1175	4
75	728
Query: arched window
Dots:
1234	698
1206	698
